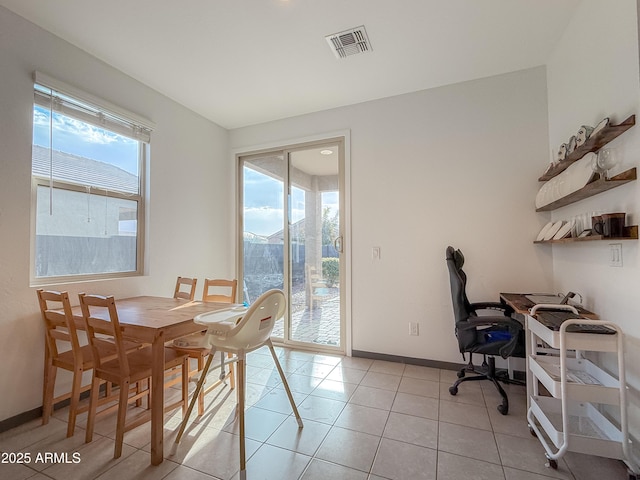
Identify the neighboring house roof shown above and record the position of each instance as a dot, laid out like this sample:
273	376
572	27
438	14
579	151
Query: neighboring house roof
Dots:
297	228
82	171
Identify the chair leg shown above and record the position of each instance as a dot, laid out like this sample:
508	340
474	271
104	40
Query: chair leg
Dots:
201	395
491	375
93	406
74	401
122	415
194	398
241	384
232	376
47	390
185	385
285	383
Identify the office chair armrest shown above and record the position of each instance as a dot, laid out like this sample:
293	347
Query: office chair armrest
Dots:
505	309
513	327
475	322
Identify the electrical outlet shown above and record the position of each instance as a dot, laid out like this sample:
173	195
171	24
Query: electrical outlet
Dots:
375	253
414	329
615	255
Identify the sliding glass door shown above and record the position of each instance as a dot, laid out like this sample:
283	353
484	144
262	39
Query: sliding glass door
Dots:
290	218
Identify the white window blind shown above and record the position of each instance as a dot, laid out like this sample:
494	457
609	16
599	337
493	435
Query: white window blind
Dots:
60	97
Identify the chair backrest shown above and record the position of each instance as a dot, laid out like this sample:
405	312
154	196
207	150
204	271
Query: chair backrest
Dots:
103	330
462	309
190	284
229	286
55	308
254	328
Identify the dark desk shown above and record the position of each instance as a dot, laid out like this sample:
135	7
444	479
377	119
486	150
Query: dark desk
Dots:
521	304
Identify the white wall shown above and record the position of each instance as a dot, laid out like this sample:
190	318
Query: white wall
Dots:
189	208
449	166
593	73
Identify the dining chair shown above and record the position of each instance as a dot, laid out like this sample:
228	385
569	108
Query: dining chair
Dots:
250	330
317	286
128	369
60	327
221	290
192	344
189	284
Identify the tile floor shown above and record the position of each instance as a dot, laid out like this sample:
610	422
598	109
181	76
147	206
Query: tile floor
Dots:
363	419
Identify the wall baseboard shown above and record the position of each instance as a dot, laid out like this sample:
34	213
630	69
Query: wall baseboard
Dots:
423	362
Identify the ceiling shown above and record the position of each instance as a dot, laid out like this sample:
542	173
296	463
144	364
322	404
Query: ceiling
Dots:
243	62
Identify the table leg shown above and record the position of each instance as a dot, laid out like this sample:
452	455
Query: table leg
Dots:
157	400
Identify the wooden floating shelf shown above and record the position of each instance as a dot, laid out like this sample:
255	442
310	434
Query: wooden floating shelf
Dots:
593	188
630	233
593	144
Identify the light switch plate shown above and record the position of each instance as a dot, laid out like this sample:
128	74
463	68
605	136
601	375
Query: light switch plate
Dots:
615	255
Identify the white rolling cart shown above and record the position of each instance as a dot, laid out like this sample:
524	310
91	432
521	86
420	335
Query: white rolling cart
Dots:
570	419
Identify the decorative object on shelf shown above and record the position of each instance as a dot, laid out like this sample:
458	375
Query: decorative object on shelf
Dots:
598	128
600	136
607	159
613	225
553	230
571	145
564	231
583	134
571	180
543	232
562	152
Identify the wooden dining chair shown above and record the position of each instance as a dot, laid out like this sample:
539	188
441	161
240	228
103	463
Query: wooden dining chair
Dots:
200	352
60	327
189	284
224	290
317	286
128	370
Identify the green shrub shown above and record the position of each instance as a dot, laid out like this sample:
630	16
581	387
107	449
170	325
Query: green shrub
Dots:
331	270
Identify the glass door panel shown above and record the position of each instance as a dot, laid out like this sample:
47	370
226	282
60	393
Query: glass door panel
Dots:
314	229
291	239
263	220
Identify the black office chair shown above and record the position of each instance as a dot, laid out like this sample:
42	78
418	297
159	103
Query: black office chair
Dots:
489	335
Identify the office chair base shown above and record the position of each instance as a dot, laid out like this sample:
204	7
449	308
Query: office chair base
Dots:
489	373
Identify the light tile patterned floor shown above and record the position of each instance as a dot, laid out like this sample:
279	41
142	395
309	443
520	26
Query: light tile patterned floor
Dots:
364	419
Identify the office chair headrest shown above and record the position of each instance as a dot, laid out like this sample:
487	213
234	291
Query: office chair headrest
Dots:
456	256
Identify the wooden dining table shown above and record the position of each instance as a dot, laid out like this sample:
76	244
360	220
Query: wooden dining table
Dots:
157	320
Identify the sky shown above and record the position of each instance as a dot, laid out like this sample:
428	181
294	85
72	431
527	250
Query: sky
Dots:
80	138
263	202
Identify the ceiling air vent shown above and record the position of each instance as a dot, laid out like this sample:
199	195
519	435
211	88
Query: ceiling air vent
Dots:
349	42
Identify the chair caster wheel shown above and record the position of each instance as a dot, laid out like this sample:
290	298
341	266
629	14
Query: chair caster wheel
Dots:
503	409
532	432
552	463
461	374
453	390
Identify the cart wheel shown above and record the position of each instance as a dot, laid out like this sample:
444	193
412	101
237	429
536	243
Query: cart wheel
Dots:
453	390
552	463
532	431
503	409
460	373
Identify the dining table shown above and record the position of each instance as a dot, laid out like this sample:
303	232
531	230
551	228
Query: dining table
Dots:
156	320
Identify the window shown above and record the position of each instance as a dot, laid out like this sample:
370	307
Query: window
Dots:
88	170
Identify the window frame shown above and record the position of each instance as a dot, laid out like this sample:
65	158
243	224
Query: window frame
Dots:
140	198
